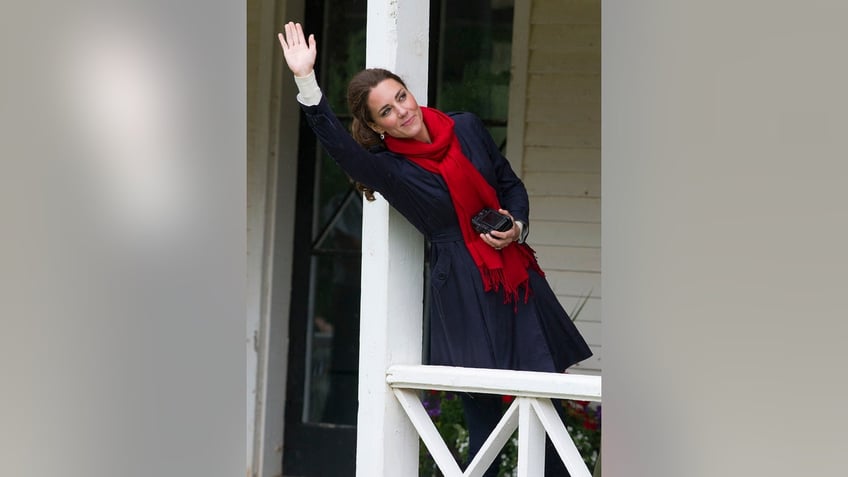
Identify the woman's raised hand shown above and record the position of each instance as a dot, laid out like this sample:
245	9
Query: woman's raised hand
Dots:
300	55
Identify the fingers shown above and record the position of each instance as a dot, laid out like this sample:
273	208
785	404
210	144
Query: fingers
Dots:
294	33
299	34
294	37
500	239
291	35
298	52
497	239
506	212
495	242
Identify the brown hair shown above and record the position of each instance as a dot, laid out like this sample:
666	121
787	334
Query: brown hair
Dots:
358	91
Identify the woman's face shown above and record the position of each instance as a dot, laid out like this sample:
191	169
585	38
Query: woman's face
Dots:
395	111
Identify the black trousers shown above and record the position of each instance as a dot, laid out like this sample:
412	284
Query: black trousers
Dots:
482	414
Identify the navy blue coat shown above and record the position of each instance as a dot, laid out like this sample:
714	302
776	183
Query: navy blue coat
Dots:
468	326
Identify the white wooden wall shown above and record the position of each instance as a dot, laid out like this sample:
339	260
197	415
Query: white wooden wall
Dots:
560	156
272	128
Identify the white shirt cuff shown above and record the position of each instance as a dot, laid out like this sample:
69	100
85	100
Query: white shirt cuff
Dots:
309	94
522	236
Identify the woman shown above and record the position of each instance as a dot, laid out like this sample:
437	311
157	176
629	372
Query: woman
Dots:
490	304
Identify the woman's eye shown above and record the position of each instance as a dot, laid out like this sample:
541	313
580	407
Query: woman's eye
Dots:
402	96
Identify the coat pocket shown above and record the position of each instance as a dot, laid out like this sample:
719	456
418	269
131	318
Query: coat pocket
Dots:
439	275
440	272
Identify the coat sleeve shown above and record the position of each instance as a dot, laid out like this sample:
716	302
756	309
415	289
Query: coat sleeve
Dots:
373	170
511	191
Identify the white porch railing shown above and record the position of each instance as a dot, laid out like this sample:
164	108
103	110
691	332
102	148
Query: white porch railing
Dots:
532	413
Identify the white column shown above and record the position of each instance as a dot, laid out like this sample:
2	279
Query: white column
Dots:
392	258
531	441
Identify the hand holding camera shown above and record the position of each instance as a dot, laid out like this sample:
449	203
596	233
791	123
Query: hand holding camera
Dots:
496	227
489	219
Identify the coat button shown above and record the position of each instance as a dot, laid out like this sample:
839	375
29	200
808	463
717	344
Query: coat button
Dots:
442	276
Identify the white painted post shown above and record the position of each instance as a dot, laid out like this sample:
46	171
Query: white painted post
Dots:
531	441
392	258
568	452
411	403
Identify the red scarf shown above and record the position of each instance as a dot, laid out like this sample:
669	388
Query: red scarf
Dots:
469	191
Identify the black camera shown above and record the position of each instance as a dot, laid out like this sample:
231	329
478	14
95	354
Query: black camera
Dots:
489	219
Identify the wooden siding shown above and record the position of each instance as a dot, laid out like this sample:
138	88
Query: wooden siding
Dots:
561	161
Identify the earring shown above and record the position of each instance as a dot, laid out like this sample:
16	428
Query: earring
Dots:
382	137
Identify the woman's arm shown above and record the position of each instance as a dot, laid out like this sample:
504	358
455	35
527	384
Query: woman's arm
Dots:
372	170
510	189
358	163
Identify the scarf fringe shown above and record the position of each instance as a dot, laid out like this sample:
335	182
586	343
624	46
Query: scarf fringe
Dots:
493	280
